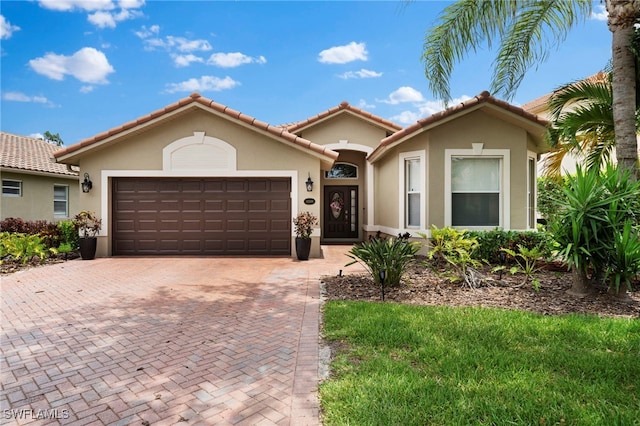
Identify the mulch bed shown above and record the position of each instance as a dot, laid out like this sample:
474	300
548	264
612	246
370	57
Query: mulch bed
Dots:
428	285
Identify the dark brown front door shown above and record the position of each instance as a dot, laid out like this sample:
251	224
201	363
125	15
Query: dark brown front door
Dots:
340	212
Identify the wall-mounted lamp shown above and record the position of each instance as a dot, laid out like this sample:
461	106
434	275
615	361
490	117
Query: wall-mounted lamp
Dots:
86	184
309	183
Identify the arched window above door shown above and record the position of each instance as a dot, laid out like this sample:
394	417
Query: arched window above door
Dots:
342	171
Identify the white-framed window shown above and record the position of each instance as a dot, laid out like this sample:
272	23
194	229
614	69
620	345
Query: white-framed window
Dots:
477	188
11	188
342	171
412	206
61	201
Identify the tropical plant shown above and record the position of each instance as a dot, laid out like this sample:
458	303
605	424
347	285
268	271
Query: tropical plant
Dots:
455	247
87	224
68	233
23	247
581	115
304	223
598	227
526	260
391	255
525	30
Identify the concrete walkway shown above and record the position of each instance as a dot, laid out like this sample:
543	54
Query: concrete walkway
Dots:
164	341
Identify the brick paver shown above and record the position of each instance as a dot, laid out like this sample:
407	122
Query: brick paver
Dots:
164	341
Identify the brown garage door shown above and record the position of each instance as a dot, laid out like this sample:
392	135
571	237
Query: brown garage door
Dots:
201	216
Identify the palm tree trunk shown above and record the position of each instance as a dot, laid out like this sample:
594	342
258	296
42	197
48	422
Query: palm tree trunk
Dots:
622	15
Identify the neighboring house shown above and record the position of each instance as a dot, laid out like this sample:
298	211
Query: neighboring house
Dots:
197	177
540	107
34	186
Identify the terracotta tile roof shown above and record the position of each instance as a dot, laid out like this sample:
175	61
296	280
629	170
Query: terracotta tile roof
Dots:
344	106
433	119
539	105
30	154
196	98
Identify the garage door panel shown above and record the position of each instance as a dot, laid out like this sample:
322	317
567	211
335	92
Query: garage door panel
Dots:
194	216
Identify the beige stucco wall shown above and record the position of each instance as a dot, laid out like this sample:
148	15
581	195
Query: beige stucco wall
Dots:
36	202
345	127
255	152
461	133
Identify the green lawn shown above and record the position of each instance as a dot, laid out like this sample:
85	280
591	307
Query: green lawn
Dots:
415	365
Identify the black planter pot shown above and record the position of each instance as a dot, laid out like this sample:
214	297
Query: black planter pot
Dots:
88	247
303	247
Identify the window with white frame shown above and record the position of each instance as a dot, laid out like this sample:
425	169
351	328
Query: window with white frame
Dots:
412	173
11	188
475	191
477	188
60	201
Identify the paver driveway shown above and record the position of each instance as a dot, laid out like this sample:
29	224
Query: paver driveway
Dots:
160	341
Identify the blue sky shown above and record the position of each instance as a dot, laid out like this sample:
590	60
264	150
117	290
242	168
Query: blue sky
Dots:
79	68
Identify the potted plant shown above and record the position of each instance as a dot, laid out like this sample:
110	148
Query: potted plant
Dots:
88	226
304	223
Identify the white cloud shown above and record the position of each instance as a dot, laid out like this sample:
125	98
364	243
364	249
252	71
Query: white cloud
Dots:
87	65
363	73
171	43
6	29
234	59
86	89
104	19
600	14
344	54
425	109
364	105
206	83
36	136
147	32
21	97
69	5
403	94
102	13
186	60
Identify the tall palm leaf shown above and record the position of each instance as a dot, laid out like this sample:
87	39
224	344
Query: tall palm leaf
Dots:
581	116
526	29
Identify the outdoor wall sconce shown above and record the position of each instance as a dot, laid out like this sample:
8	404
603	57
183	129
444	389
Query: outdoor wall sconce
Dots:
309	183
86	184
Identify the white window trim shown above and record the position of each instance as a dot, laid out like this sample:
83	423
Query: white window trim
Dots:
532	156
66	213
402	211
19	194
478	151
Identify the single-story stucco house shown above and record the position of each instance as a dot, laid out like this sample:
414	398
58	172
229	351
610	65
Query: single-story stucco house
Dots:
34	186
199	178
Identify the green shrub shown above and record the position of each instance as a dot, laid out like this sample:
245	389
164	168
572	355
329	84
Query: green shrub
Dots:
455	247
597	227
68	233
549	196
23	247
392	255
490	243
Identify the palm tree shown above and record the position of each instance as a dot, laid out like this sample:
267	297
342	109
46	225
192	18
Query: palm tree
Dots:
525	30
581	116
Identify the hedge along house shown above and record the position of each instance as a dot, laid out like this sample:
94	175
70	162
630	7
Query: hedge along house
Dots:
198	178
